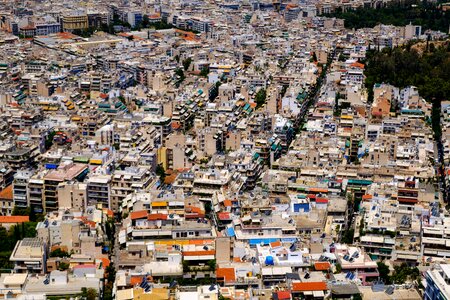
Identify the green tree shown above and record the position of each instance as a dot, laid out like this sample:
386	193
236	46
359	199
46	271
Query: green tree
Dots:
49	139
20	211
59	253
398	13
160	172
63	266
347	238
384	271
145	21
260	98
403	273
204	72
212	264
91	294
187	63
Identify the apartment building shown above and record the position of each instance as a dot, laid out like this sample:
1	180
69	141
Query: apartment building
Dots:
127	181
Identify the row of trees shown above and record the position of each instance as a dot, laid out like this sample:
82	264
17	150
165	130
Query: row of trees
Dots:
399	13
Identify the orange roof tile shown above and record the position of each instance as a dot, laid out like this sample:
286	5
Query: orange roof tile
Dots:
309	286
200	242
154	217
228	274
284	295
223	216
357	65
141	214
14	219
134	280
105	262
227	203
275	244
321	266
7	193
367	197
199	253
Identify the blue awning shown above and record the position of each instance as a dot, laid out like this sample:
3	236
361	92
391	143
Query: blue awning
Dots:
262	241
230	232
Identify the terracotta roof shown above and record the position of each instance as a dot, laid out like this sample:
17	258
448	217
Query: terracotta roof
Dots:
7	193
105	262
309	286
228	274
134	280
367	197
199	253
284	295
223	216
140	214
322	266
154	217
357	65
227	203
14	219
321	200
275	244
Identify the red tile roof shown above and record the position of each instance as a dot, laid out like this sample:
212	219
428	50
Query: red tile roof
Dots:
228	274
367	197
275	244
14	219
321	266
199	253
321	200
7	193
154	217
140	214
223	216
309	286
284	295
134	280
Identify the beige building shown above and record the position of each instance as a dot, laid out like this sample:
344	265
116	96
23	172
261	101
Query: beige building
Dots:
75	21
72	195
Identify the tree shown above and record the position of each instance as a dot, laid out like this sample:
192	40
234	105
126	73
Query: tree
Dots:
398	13
20	211
160	172
347	238
91	294
212	264
49	139
403	273
145	21
384	271
59	253
187	63
63	266
204	72
260	98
